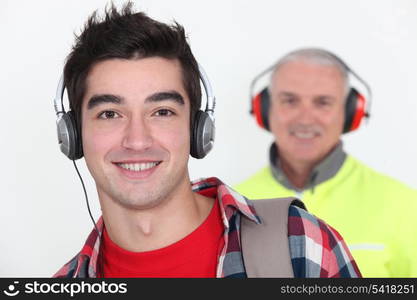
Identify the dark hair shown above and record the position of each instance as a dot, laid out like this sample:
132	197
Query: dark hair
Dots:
128	35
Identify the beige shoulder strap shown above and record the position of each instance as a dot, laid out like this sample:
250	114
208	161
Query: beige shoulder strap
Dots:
265	247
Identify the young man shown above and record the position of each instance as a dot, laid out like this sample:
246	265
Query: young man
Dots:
134	91
310	103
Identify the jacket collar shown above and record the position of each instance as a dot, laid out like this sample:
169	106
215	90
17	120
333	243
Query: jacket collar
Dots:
322	172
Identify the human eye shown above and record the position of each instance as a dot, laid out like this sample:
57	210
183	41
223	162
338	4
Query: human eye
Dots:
288	100
164	112
323	102
108	114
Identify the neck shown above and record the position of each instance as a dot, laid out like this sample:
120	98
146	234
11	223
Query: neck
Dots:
157	227
298	173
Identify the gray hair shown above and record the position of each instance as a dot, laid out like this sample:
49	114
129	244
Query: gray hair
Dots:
316	56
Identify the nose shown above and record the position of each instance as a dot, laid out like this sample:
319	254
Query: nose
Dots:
137	135
305	113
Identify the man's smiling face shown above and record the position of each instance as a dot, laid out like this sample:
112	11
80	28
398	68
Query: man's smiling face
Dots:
135	130
307	110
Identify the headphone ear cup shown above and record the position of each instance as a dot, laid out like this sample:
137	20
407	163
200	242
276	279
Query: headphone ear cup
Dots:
68	136
260	108
202	135
354	110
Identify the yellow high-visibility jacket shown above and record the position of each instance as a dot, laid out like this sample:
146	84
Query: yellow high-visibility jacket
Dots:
375	214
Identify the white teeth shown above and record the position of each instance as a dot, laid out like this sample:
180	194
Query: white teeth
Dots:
304	135
138	166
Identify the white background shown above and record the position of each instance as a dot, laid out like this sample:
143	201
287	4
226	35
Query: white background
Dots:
43	217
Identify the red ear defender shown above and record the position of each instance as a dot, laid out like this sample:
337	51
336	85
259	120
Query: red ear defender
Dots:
359	113
260	108
256	110
355	110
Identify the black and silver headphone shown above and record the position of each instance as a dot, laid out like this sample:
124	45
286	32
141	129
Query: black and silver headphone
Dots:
202	131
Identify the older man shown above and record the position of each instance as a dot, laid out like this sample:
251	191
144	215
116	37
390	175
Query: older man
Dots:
307	107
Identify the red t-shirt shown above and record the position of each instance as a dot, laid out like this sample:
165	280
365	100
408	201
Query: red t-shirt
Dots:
194	256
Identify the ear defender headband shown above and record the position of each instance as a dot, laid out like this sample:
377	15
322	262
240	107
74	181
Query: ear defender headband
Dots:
356	108
202	131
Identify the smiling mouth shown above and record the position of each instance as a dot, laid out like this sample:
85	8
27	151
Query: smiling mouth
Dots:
138	167
304	135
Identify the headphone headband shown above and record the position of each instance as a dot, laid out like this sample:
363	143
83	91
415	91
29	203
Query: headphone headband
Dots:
59	95
211	99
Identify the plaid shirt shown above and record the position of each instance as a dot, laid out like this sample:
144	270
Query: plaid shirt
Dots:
316	249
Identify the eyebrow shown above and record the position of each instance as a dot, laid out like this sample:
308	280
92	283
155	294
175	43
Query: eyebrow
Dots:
106	98
160	96
326	97
286	94
291	94
163	96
